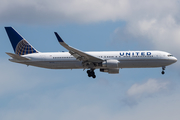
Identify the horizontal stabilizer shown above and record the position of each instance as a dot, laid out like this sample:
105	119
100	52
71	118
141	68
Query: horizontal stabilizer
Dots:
17	57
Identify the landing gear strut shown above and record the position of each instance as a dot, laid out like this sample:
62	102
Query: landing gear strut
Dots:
91	73
163	68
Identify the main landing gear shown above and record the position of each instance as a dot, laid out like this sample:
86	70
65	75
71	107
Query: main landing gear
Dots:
163	68
91	73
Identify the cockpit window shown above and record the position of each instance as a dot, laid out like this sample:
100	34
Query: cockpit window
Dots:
170	55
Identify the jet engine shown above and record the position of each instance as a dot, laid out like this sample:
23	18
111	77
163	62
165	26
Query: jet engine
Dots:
110	63
110	71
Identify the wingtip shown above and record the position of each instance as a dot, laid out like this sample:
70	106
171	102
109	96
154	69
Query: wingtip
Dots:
58	37
8	27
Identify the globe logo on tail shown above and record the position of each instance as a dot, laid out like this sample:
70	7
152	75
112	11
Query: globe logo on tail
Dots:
23	48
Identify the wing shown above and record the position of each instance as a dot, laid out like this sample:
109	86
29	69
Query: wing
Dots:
80	55
17	57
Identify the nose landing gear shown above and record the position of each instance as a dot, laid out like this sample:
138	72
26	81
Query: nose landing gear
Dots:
163	68
91	73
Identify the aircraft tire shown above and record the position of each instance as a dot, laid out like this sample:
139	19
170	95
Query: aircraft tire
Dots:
89	75
94	76
88	71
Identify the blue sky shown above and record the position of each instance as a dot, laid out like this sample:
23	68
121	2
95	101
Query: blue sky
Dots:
133	94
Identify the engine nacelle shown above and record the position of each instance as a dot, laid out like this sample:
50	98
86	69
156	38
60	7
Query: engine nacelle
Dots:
110	71
110	63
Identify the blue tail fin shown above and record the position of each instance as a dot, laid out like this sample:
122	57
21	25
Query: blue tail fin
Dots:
19	44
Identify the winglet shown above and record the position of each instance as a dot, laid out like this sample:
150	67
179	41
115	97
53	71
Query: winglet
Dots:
58	37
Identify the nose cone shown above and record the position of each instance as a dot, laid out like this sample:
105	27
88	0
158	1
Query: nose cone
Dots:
174	59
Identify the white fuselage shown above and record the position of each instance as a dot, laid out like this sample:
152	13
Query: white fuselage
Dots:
127	59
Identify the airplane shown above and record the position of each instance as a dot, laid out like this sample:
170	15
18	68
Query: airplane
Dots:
107	61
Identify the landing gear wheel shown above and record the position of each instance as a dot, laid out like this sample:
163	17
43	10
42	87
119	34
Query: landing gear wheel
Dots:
91	73
88	71
163	68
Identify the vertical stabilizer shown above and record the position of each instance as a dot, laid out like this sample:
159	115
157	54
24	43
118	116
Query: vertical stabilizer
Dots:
19	44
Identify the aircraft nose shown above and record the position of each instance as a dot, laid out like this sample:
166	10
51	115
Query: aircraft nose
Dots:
174	59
